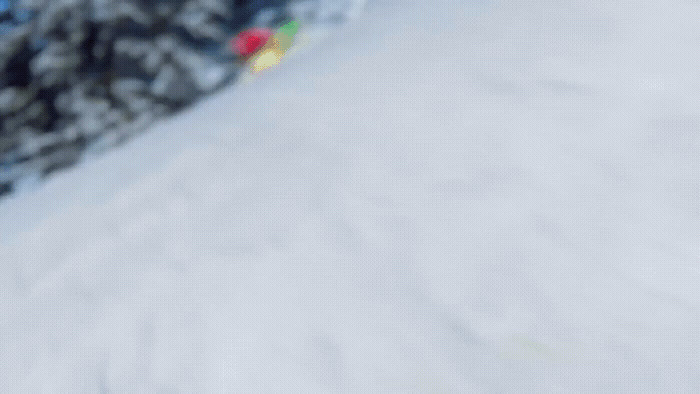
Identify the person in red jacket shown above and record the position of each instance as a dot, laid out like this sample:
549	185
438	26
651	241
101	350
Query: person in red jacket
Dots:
250	40
262	48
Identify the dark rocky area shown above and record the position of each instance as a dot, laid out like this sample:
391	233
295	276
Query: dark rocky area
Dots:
91	73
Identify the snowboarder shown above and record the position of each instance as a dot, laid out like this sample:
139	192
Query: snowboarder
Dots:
249	41
262	48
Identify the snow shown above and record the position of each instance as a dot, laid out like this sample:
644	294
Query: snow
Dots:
444	197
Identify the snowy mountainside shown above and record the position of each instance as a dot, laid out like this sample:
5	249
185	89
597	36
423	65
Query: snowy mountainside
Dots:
482	207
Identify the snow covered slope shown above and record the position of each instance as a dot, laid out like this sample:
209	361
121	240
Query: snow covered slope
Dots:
445	197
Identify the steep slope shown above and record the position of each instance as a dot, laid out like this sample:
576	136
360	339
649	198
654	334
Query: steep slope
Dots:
477	206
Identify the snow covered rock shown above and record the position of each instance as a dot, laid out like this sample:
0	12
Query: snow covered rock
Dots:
103	46
173	84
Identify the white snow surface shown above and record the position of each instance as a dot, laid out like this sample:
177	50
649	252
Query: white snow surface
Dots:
446	196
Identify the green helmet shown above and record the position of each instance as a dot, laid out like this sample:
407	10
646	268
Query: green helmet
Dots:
289	29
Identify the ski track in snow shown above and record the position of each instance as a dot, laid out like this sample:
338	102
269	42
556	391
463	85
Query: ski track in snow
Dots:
505	202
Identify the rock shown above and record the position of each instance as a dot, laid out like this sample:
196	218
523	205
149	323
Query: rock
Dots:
160	109
99	144
11	124
142	121
318	11
31	4
165	9
94	105
64	103
54	63
36	143
130	10
125	89
206	74
15	54
13	43
217	8
6	187
78	101
101	44
140	12
30	142
167	44
63	156
36	115
136	58
102	10
210	76
199	22
10	171
90	124
269	17
138	105
70	132
174	85
244	11
63	20
114	118
7	143
133	95
13	99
